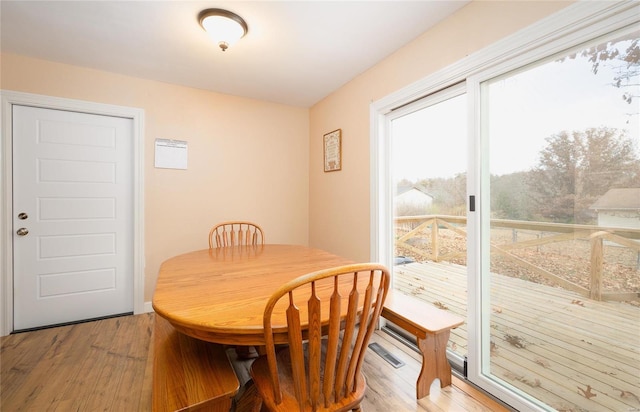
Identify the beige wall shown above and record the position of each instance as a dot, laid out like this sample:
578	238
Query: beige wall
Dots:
247	158
268	169
339	218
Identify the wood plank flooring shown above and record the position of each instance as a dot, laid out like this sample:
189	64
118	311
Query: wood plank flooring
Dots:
106	365
572	352
102	365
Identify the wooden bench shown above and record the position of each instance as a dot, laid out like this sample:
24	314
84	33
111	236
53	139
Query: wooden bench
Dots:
190	374
431	327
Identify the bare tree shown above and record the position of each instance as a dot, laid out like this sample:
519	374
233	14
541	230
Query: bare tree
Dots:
575	168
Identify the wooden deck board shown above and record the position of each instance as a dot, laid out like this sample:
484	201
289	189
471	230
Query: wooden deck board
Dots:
570	342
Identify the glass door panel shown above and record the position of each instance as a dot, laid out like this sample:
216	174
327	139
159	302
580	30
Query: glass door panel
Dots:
429	163
561	239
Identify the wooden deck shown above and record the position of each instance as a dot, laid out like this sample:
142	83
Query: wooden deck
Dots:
573	353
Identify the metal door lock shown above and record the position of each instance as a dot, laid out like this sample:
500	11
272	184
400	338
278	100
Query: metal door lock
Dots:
22	216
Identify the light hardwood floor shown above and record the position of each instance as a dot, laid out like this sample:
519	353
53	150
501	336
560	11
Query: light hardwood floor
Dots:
106	365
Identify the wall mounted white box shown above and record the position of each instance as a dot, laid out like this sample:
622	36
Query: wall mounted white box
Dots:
171	154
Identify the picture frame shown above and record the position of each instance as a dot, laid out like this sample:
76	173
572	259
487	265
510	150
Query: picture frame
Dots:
332	142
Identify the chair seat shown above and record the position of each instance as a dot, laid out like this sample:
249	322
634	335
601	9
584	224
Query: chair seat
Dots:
263	383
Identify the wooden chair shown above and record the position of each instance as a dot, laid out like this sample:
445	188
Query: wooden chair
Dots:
316	373
234	233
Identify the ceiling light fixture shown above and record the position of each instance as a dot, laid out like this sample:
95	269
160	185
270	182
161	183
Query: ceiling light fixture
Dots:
224	27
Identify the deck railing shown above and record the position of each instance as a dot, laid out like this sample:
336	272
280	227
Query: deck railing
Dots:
547	233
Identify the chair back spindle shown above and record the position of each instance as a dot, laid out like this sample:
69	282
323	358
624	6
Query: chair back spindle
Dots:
321	367
234	233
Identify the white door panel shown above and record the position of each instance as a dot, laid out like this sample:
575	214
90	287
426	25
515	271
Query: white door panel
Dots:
72	178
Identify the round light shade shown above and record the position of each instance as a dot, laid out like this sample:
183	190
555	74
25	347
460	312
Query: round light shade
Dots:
224	27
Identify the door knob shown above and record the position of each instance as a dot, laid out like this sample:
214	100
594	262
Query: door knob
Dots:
22	231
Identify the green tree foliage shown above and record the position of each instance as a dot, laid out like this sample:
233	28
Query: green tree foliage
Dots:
510	198
575	168
449	195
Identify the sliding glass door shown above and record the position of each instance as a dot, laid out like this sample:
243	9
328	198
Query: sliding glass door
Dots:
536	206
559	263
429	163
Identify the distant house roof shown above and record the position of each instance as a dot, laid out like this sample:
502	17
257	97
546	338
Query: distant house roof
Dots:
619	199
404	189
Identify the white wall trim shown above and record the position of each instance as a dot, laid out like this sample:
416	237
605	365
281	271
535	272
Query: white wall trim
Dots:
7	100
584	16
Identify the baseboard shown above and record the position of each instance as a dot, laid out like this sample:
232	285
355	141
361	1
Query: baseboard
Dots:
148	307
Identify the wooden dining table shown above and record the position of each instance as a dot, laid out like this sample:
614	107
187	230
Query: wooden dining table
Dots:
219	295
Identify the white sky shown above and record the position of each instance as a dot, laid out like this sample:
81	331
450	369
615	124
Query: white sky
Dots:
525	109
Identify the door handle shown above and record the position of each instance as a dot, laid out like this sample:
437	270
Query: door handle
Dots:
23	231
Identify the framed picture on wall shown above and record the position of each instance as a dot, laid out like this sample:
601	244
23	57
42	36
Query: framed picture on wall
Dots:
333	151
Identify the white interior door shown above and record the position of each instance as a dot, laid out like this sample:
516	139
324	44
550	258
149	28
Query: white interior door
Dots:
72	216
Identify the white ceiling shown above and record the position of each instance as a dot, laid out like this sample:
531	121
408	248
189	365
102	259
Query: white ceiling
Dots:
295	53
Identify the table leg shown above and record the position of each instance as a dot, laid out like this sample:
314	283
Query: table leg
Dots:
434	362
246	352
